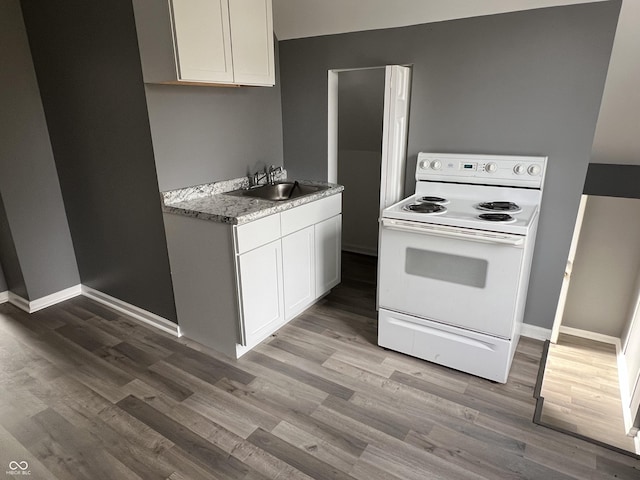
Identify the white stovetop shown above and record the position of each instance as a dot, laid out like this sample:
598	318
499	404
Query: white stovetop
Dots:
461	209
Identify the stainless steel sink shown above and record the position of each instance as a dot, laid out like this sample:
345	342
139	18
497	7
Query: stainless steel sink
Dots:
279	192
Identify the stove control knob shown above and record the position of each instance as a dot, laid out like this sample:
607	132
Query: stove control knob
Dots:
436	164
424	164
534	170
519	169
491	167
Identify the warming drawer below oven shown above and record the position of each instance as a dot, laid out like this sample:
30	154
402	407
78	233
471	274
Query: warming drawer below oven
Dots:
471	352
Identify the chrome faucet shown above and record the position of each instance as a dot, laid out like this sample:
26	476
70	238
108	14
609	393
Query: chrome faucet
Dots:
272	172
256	178
268	176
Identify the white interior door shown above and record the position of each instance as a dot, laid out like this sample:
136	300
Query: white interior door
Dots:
555	331
394	134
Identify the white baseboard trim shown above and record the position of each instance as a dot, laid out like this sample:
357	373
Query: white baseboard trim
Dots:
131	310
533	331
61	296
4	297
31	306
598	337
18	301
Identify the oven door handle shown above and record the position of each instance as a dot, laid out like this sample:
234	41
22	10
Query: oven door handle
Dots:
452	232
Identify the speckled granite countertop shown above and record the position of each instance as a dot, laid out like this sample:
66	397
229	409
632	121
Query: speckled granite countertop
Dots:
211	201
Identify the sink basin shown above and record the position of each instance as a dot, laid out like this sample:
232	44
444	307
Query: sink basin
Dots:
280	191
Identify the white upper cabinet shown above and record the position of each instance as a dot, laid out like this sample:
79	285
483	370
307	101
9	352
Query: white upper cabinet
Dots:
202	40
252	41
228	42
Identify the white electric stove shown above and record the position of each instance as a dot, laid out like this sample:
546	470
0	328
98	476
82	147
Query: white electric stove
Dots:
455	258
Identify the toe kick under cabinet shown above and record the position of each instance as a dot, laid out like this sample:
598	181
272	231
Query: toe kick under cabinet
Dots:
234	285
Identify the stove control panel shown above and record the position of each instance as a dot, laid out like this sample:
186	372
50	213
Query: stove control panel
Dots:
507	170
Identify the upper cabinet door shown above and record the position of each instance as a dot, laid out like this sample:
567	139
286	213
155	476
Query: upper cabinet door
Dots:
208	42
252	41
202	40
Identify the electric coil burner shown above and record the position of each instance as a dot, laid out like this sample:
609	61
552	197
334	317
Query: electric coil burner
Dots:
499	207
425	207
429	199
452	281
496	217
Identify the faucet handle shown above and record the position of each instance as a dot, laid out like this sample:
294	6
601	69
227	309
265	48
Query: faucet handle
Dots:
272	171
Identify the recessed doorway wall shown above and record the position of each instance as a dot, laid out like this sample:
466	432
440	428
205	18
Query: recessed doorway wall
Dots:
599	306
360	122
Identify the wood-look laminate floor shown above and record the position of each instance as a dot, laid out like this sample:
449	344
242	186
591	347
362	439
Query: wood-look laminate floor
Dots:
90	394
581	391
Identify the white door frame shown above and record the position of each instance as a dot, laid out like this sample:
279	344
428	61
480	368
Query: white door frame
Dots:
394	142
562	300
395	129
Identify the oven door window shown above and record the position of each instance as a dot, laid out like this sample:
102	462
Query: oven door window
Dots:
446	267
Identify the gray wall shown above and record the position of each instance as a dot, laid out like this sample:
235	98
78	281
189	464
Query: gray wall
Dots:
202	134
606	266
86	58
361	109
3	282
520	83
360	117
33	207
12	274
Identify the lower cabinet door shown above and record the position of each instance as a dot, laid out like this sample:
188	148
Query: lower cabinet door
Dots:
298	263
328	238
261	292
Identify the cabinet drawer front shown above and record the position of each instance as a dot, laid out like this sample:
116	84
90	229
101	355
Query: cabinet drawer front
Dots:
259	232
310	213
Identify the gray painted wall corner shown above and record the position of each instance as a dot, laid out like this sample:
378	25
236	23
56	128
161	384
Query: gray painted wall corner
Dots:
88	66
12	273
3	282
34	212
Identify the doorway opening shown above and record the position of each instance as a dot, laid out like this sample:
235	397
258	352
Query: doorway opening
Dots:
591	382
368	111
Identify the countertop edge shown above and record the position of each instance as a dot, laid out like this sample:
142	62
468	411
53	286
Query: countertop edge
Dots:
259	207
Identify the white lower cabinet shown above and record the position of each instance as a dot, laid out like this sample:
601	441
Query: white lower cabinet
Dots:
328	242
308	246
235	286
260	283
299	269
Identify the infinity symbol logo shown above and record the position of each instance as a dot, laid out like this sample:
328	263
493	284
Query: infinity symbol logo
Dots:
13	465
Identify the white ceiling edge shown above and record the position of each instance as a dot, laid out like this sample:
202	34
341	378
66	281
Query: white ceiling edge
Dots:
617	137
311	18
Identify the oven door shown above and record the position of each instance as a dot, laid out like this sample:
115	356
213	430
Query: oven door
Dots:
461	277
